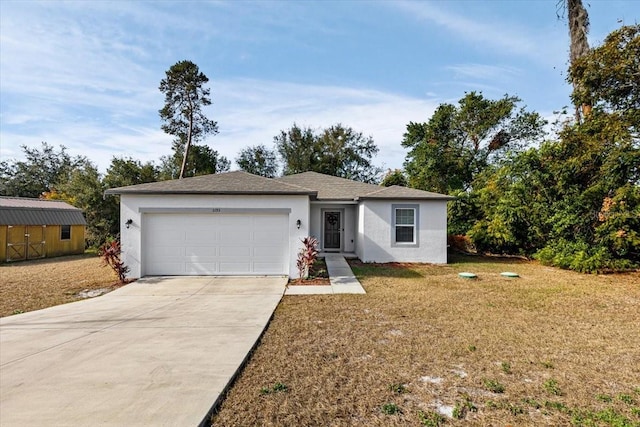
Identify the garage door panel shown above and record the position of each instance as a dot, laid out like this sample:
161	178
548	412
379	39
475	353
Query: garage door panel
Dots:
201	251
201	236
262	251
266	268
267	236
198	269
235	267
235	235
235	251
167	268
201	244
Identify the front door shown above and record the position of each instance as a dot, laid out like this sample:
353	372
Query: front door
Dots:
332	230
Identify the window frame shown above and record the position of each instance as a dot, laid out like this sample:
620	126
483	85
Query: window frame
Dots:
416	219
63	233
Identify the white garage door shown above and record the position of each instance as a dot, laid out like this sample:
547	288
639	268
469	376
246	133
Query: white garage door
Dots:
215	244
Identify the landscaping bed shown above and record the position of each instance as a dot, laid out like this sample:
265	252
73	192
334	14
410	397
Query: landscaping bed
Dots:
318	276
32	285
427	347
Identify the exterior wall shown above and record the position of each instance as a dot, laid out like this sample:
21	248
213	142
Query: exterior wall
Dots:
53	246
349	224
56	247
131	205
375	231
3	243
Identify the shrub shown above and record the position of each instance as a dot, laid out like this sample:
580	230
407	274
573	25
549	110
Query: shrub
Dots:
307	256
110	254
580	256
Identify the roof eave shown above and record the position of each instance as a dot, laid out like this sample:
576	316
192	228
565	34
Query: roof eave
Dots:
443	198
113	192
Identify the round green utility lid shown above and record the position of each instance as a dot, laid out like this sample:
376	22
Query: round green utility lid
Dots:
467	275
509	274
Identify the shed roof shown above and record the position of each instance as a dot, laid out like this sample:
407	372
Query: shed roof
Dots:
237	182
24	211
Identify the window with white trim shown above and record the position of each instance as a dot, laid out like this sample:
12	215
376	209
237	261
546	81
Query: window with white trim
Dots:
405	225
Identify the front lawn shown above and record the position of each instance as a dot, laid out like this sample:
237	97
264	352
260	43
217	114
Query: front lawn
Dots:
552	347
32	285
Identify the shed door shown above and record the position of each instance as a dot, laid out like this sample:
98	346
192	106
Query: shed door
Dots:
215	244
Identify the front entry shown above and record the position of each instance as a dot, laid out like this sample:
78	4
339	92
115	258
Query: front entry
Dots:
332	230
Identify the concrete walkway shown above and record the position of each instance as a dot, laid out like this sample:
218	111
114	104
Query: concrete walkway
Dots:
157	352
340	276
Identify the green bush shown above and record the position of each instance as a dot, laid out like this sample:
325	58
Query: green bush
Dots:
580	256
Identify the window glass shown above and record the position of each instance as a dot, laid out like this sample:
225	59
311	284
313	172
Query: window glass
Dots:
405	225
65	232
404	216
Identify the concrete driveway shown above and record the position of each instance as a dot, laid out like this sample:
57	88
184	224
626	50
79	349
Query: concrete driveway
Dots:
155	352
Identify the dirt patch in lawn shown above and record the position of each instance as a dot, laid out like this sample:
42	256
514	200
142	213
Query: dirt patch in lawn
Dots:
423	345
32	285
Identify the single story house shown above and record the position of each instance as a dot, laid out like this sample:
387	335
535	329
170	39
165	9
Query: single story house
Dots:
237	223
34	228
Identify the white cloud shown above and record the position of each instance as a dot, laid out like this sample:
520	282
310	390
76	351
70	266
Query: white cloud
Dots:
496	35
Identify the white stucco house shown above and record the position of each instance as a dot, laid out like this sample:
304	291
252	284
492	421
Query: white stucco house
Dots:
237	223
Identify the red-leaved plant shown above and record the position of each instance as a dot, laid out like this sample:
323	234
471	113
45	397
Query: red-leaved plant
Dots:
307	256
110	254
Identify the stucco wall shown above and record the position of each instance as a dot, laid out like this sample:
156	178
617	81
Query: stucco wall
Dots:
375	233
348	223
131	205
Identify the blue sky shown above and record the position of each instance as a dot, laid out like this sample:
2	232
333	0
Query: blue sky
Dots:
85	74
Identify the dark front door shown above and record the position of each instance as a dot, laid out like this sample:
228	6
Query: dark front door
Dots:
332	228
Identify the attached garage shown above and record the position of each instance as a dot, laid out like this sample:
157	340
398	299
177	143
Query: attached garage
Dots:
241	243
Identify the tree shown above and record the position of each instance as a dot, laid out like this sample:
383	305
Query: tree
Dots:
125	171
336	150
41	170
607	77
84	189
575	202
578	20
202	160
183	115
459	142
394	177
297	149
258	160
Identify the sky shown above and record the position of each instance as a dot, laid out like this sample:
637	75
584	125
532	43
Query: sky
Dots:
85	74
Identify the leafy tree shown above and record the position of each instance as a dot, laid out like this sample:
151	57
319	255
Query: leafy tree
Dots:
183	115
394	177
41	170
459	142
607	77
258	160
84	189
202	160
297	148
575	202
336	150
128	171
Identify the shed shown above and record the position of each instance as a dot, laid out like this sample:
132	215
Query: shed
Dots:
34	228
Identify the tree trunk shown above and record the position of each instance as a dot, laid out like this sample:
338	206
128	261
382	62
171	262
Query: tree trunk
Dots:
187	146
578	30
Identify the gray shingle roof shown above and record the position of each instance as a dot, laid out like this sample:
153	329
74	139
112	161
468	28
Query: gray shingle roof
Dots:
335	188
317	185
237	182
23	211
